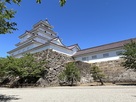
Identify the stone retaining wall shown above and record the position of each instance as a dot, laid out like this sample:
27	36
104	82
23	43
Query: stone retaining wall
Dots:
54	66
114	72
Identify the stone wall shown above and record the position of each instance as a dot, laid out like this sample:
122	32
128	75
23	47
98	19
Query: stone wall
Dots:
84	72
54	65
114	72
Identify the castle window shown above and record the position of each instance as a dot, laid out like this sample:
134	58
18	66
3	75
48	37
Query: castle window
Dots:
33	34
44	31
106	55
94	57
118	52
85	58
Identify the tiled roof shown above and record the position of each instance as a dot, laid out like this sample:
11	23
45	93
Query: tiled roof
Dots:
26	32
72	46
104	47
28	43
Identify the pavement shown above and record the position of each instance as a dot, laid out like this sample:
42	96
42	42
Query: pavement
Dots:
70	94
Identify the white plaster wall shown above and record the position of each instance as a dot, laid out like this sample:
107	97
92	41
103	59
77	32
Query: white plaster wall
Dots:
40	29
47	31
24	38
24	49
100	58
43	30
57	42
40	40
54	48
40	49
74	50
61	50
104	59
57	49
44	35
18	56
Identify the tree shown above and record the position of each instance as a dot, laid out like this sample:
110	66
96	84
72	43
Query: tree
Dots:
3	63
97	74
26	66
5	16
6	26
129	55
71	74
26	69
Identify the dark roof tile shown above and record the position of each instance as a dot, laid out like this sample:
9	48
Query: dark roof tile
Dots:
104	47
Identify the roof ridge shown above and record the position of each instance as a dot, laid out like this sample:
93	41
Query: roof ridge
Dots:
109	44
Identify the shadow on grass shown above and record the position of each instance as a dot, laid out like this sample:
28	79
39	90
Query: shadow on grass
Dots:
8	98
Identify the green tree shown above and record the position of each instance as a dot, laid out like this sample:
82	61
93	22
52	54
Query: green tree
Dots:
26	69
3	63
6	26
129	55
71	74
97	74
26	66
5	16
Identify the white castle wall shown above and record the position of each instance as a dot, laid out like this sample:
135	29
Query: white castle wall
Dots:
112	56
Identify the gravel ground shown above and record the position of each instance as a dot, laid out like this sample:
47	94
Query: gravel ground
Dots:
70	94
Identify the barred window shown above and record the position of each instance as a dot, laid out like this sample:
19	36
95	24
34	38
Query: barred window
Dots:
85	58
106	55
94	56
118	52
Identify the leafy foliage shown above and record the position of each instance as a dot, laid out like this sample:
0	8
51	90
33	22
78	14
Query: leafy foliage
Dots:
62	2
71	74
26	66
129	55
5	16
6	26
3	63
18	71
97	74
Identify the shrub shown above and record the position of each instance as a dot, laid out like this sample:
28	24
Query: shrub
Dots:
70	75
97	74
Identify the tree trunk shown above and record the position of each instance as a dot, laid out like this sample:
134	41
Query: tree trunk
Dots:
101	81
72	81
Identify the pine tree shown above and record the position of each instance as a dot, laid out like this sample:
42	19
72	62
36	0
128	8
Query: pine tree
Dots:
97	74
71	74
129	55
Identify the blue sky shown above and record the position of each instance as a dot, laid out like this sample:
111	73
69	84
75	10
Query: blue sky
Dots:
86	22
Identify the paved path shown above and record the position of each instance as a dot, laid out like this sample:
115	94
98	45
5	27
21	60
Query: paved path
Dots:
70	94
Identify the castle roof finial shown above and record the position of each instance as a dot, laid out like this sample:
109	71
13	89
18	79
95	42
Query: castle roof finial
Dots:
46	19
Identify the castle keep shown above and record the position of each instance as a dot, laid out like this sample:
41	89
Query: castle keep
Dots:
42	37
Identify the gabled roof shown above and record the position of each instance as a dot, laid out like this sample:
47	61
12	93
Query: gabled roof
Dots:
26	32
50	42
104	47
43	22
73	46
40	26
57	38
